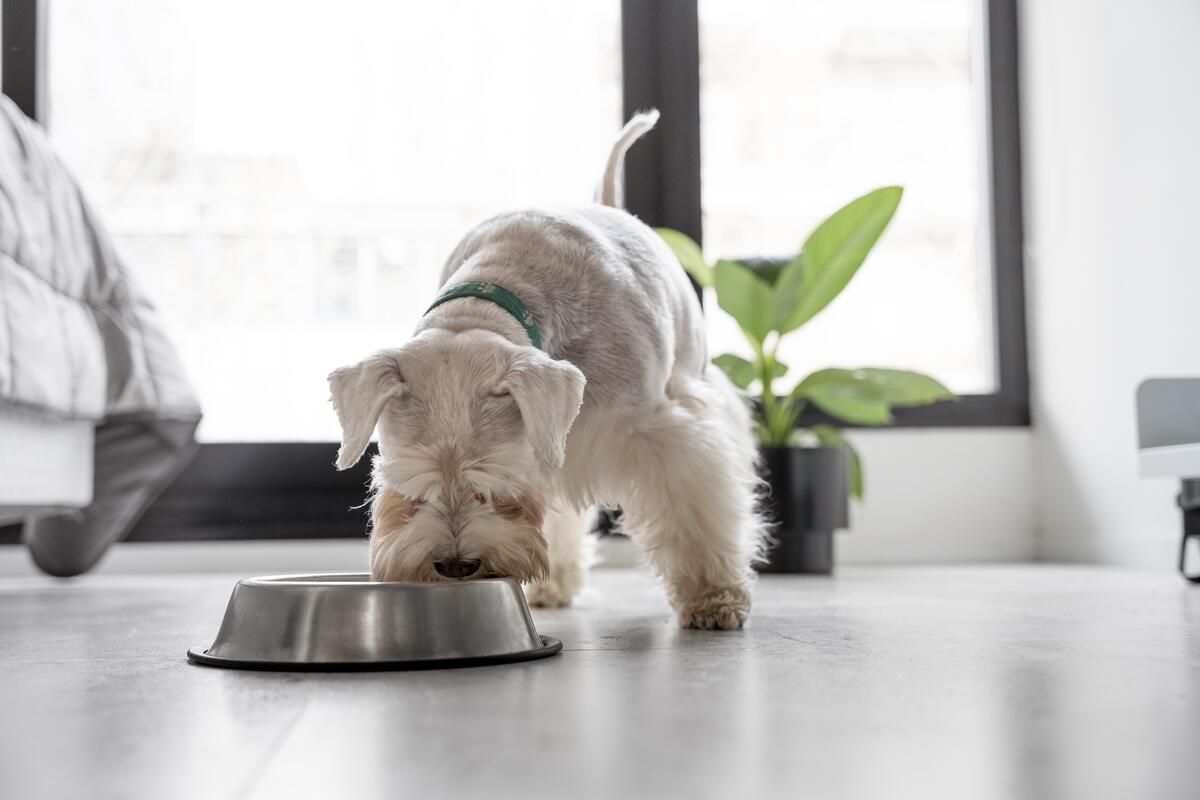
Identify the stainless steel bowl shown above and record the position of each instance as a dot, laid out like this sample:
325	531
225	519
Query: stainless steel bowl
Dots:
349	622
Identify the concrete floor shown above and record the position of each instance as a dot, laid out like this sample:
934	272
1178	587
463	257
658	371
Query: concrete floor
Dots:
1012	682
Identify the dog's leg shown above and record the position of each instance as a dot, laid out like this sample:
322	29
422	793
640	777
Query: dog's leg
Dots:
693	503
566	533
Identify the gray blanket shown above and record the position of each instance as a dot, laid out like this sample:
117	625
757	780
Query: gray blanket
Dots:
79	341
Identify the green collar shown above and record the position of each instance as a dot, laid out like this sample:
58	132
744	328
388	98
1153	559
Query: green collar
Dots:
498	295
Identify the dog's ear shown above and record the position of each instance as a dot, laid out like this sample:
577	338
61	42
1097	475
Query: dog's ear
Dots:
548	394
359	394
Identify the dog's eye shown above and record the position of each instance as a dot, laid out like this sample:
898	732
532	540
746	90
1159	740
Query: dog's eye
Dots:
391	510
509	509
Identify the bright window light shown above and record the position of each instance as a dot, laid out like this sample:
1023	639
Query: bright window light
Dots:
288	178
807	105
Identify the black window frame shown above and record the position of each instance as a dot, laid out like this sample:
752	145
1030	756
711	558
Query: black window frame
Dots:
291	491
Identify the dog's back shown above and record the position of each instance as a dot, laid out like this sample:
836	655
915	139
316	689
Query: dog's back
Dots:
607	292
659	265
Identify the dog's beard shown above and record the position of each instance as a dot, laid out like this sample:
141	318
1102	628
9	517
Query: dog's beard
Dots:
408	538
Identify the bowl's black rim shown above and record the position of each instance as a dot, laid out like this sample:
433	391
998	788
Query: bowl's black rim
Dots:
550	646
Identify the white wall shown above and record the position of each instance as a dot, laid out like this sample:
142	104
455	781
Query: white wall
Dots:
943	495
1111	114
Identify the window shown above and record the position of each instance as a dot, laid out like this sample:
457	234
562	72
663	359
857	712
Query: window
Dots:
805	106
288	184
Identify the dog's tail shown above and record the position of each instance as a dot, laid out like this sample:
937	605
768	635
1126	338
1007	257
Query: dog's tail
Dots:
612	185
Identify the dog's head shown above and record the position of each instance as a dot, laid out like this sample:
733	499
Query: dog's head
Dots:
470	428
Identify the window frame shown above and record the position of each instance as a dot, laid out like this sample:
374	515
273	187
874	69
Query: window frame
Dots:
664	183
258	490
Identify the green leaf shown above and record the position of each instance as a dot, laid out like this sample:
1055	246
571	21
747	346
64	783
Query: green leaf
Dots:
739	370
745	297
838	247
851	407
689	254
900	387
846	395
832	437
767	269
743	372
866	396
788	290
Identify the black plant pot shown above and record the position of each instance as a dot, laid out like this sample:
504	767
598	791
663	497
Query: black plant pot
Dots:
809	499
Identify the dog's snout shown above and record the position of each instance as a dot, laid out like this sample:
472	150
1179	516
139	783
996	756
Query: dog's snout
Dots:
457	568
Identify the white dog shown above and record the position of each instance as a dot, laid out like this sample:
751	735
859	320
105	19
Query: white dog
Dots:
564	364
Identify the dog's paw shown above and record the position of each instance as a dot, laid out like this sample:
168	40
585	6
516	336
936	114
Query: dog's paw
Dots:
547	594
557	591
720	610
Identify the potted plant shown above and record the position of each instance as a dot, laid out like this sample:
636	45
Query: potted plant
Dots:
810	471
